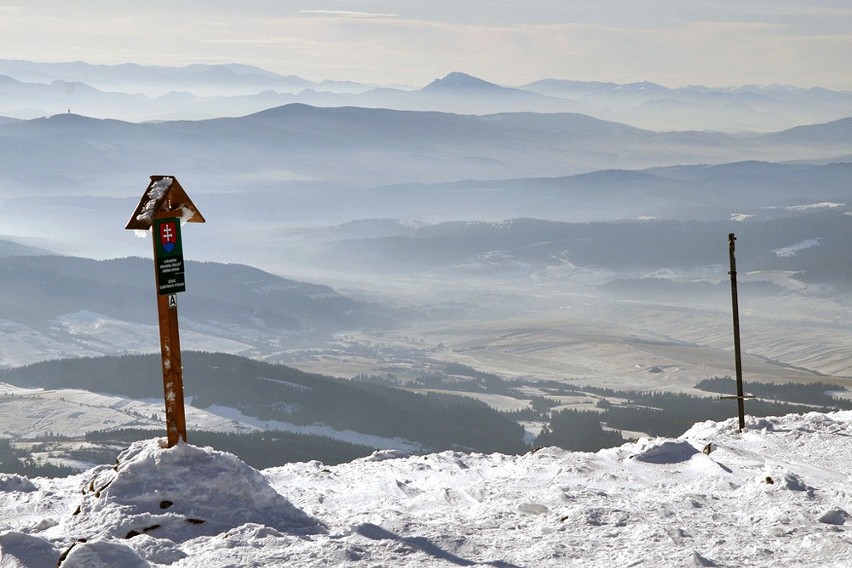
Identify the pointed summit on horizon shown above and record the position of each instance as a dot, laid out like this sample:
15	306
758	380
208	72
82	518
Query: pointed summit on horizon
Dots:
461	81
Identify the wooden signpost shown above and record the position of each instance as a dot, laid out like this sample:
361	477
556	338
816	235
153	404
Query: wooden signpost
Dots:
162	209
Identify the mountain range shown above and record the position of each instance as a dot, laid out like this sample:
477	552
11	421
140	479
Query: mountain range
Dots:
696	192
358	147
806	244
137	92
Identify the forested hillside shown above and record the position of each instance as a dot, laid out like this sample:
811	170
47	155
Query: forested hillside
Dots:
279	393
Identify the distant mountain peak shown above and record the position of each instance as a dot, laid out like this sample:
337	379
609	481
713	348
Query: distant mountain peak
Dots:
458	80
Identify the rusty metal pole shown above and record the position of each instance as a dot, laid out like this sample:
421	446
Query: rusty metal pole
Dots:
736	314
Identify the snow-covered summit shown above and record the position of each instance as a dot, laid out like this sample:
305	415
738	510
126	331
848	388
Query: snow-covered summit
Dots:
777	494
176	494
170	495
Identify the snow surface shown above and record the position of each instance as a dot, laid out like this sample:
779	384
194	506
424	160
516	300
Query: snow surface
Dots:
351	436
777	494
31	413
739	217
820	205
793	249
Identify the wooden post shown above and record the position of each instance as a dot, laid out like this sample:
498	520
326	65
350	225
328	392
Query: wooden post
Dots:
172	368
736	314
162	208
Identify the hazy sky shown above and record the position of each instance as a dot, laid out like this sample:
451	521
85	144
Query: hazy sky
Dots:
411	42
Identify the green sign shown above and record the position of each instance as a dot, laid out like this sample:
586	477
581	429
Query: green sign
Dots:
168	256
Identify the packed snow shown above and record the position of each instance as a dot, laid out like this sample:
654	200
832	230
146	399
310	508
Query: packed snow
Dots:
776	494
792	250
351	436
30	413
739	217
820	205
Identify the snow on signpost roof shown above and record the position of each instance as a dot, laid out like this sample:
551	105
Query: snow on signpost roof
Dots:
164	193
152	198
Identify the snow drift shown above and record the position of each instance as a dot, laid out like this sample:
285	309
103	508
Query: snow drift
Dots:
777	494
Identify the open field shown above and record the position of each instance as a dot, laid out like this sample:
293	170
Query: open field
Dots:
629	346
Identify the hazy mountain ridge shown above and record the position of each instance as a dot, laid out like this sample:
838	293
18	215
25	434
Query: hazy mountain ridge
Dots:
284	226
233	302
12	248
139	92
524	246
153	78
363	147
708	192
835	132
748	107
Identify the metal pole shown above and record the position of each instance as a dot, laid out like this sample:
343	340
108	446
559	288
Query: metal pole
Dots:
736	314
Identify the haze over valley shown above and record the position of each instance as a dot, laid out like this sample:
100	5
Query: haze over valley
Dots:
531	258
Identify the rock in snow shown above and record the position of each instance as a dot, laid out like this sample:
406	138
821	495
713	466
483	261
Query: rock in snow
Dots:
655	502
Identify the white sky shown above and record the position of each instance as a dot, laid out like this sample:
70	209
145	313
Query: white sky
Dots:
411	42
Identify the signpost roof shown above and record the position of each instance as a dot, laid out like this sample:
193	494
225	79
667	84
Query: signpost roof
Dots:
163	194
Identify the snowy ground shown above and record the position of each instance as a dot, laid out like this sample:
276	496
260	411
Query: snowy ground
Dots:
777	494
36	413
33	414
